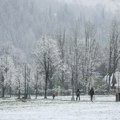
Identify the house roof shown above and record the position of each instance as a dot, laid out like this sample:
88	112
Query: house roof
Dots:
114	77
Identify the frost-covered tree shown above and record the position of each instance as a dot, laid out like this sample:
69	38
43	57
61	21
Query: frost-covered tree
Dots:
114	51
11	60
48	59
91	53
7	72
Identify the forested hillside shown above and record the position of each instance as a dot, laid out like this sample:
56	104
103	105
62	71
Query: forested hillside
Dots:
51	44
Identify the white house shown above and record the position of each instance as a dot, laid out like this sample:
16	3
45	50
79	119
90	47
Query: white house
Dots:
115	79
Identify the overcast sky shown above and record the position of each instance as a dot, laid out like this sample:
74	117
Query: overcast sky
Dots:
111	5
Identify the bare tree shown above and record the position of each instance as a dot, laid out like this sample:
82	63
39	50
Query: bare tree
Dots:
47	56
114	52
90	52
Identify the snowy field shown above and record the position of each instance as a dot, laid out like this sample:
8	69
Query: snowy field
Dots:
103	108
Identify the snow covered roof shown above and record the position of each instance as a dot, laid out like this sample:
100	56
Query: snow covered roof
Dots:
117	77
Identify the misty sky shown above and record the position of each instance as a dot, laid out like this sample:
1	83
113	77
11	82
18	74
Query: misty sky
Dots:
110	5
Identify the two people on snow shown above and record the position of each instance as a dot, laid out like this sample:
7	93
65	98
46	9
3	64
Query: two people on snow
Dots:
91	93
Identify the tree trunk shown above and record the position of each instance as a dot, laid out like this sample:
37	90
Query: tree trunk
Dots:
25	92
46	88
3	91
10	92
29	90
29	95
19	94
46	62
73	97
110	72
3	87
36	93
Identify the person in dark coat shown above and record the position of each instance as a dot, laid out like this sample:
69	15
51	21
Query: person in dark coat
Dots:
53	96
91	93
77	94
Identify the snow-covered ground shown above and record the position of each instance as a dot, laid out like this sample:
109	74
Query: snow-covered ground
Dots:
103	108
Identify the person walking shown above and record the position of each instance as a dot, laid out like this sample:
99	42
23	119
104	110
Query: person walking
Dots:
78	94
91	93
53	95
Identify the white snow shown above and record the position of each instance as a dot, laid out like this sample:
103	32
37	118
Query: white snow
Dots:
103	108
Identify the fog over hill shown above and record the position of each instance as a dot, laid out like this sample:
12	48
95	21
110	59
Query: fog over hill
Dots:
110	5
25	21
